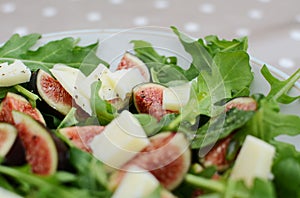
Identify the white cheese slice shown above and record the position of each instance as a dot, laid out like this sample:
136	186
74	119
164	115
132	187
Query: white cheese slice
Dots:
107	89
13	74
254	160
71	79
68	77
175	97
120	141
136	183
128	79
120	83
85	85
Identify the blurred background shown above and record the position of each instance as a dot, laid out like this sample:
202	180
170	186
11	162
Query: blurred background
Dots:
272	26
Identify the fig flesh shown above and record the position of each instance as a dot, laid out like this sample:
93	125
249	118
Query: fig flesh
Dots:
11	148
14	101
51	91
148	98
242	103
8	136
168	158
131	61
217	155
40	148
81	136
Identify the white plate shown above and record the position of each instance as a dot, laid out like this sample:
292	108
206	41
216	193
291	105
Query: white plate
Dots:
114	42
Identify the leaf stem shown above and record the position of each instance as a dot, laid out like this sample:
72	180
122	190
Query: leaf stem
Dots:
208	184
35	181
31	96
290	82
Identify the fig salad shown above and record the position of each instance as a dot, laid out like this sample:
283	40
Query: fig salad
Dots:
71	126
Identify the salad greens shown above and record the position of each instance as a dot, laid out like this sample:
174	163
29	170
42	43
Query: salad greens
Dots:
64	51
219	72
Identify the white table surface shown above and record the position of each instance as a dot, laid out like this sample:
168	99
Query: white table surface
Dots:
273	26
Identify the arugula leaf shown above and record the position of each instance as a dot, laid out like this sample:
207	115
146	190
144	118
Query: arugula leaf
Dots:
215	45
16	46
147	54
230	188
279	89
38	186
163	69
168	73
267	122
156	193
262	188
103	110
4	90
28	94
69	119
220	127
63	51
285	169
220	76
90	172
88	179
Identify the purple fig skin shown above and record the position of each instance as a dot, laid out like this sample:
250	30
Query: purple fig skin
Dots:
62	152
11	147
16	155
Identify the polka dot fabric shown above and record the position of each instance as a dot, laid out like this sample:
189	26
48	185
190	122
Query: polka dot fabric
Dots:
273	27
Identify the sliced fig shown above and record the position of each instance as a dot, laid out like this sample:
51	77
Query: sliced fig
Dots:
242	103
16	155
168	158
51	91
130	61
41	152
81	136
217	155
11	148
8	136
14	101
148	99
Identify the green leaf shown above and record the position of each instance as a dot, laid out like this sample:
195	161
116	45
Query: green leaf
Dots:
5	90
202	60
231	188
155	194
262	188
149	123
215	45
285	169
89	171
267	123
147	54
279	89
231	73
69	119
220	127
44	185
168	73
220	76
64	51
17	45
29	95
103	110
